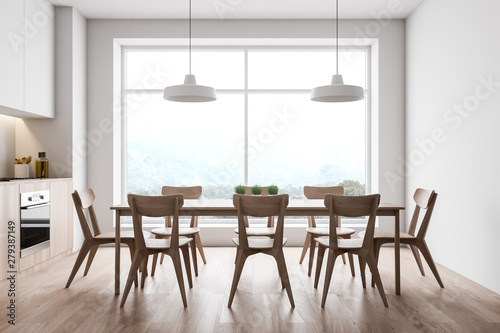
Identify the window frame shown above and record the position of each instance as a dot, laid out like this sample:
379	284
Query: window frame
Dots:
312	45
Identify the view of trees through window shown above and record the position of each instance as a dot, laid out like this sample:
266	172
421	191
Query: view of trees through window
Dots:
263	129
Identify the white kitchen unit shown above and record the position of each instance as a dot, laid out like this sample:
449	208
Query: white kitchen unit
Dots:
39	75
27	60
61	220
12	56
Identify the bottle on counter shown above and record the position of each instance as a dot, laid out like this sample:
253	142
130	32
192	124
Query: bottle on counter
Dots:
42	166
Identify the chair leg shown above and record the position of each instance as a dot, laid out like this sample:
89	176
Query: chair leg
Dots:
343	258
376	253
79	260
153	265
280	258
197	240
92	253
427	255
332	256
312	246
370	260
305	247
238	268
132	275
131	247
161	258
351	258
319	263
144	270
185	254
362	266
176	258
192	246
416	254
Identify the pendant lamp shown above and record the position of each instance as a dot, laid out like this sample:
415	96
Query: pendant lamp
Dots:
189	91
337	91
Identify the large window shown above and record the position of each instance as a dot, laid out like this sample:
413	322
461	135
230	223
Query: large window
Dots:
263	129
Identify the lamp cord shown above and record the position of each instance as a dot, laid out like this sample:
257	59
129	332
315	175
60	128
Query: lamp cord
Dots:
337	37
189	37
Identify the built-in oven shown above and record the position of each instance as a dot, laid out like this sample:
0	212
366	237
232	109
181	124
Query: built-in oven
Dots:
35	222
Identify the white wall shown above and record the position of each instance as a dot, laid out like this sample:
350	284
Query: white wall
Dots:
7	145
100	34
452	49
79	107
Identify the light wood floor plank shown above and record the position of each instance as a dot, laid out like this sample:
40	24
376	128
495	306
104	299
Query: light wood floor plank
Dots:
260	304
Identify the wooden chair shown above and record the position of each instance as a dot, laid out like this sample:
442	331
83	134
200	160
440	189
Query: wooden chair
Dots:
339	205
191	192
84	200
267	231
260	206
424	199
315	192
158	206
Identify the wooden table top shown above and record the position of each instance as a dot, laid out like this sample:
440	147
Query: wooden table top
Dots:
225	206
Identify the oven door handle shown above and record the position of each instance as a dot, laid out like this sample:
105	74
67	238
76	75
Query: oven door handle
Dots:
36	206
35	225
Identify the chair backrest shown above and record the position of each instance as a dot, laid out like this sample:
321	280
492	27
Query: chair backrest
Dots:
319	192
189	192
155	206
424	199
353	206
261	206
249	190
84	199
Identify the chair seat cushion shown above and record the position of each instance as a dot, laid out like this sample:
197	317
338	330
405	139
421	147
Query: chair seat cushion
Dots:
256	231
168	231
123	234
354	243
258	243
162	243
388	235
326	231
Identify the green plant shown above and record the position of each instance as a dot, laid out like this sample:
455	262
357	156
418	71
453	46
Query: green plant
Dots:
256	190
240	189
272	189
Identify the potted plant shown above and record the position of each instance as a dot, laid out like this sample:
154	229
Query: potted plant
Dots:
240	189
256	190
272	189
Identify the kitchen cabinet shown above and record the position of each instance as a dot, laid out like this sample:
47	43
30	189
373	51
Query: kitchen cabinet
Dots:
11	55
9	211
27	58
61	217
39	72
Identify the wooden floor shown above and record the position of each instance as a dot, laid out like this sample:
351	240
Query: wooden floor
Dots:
260	305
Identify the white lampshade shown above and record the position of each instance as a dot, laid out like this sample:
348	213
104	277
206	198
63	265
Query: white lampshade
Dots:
337	91
189	92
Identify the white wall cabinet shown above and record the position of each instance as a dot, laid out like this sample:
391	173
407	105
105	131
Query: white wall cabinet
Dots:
39	72
27	63
11	55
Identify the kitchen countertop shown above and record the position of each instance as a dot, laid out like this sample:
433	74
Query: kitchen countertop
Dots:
22	181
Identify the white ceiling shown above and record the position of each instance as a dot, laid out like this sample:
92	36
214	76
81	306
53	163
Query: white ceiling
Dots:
240	9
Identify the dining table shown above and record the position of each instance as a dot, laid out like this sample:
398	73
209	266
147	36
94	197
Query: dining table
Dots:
225	207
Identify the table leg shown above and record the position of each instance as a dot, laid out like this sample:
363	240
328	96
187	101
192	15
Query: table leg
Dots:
117	252
397	253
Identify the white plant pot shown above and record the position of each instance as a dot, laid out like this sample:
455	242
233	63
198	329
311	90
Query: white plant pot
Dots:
21	170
